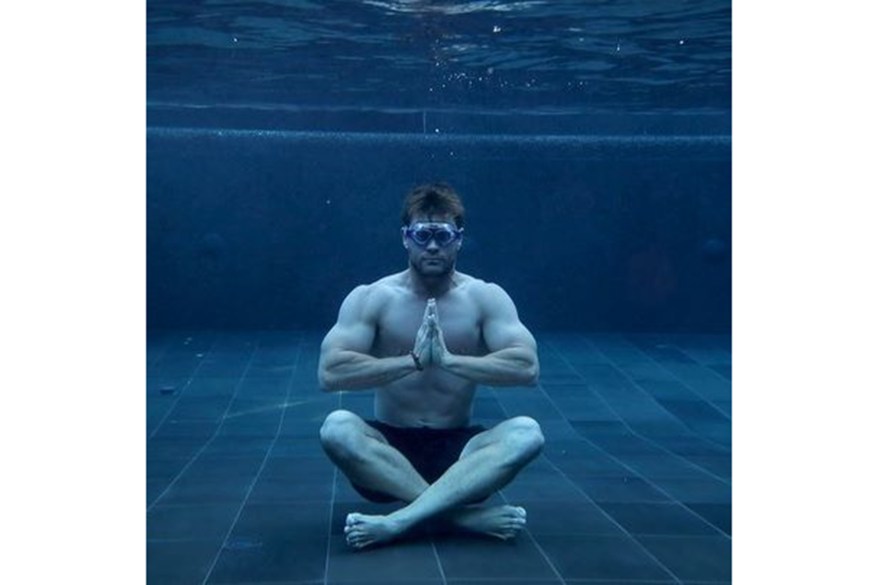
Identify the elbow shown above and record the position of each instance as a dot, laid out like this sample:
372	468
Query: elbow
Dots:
327	375
328	382
532	374
533	379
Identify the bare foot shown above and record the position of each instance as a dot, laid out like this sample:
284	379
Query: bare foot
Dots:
504	522
362	530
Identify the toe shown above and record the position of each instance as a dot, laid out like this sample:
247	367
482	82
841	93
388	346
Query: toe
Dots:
354	518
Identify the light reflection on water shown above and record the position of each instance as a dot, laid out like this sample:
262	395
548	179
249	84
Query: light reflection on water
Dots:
569	54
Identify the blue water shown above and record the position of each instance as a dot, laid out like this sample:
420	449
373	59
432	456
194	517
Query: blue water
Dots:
591	144
601	129
560	56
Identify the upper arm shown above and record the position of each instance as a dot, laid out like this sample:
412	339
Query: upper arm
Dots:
501	327
355	328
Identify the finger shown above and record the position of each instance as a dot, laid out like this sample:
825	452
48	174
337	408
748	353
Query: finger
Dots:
440	338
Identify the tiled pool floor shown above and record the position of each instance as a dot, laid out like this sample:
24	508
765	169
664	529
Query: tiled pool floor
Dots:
633	486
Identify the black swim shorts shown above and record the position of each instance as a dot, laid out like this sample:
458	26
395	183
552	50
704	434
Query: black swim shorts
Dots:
430	451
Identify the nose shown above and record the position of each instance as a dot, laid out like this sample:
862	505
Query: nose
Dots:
432	245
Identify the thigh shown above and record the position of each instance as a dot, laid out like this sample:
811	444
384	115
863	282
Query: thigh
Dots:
356	426
493	435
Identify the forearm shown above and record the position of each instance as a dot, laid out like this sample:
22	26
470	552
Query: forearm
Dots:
350	370
507	367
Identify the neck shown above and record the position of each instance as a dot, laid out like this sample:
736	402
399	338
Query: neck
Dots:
431	286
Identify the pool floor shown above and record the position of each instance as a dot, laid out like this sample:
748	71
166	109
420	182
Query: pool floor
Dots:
633	485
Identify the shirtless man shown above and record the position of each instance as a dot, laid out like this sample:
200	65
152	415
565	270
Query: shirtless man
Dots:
423	339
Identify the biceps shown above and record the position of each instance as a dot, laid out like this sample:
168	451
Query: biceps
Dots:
356	337
510	334
353	331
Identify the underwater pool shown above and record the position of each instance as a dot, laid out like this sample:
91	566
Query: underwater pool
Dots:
591	144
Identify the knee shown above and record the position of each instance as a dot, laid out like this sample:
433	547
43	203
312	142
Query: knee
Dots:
526	438
337	434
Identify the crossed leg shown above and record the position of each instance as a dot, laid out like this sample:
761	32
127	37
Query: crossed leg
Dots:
488	462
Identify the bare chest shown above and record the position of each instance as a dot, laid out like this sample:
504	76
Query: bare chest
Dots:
400	320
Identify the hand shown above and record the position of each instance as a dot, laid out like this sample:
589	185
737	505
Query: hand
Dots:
439	352
424	337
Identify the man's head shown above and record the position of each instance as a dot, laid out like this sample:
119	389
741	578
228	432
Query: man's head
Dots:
432	228
433	200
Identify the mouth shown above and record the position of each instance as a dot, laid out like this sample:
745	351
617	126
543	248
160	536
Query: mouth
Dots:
433	263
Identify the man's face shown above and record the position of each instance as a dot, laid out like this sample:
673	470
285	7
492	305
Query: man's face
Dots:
432	243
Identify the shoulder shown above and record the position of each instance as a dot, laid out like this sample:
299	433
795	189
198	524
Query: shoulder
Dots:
488	296
478	288
369	299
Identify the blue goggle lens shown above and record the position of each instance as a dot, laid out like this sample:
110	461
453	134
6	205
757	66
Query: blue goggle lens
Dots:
443	235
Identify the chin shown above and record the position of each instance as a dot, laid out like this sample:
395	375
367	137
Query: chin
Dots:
435	269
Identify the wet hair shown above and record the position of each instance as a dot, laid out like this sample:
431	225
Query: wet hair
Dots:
433	199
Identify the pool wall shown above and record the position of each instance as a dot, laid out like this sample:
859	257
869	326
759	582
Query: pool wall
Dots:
270	229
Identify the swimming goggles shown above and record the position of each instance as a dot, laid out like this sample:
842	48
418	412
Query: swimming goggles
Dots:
442	233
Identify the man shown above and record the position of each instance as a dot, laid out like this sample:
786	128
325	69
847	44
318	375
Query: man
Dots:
424	338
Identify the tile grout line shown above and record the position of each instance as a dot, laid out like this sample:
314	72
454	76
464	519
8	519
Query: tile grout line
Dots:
438	562
672	342
331	510
209	439
617	460
608	517
632	341
622	463
622	420
628	377
166	347
185	387
727	535
265	459
698	360
707	366
639	435
329	532
506	501
674	375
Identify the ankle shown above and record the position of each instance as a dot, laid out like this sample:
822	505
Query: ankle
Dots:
401	520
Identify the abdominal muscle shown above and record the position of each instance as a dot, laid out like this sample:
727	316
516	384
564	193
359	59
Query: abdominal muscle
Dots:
426	399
